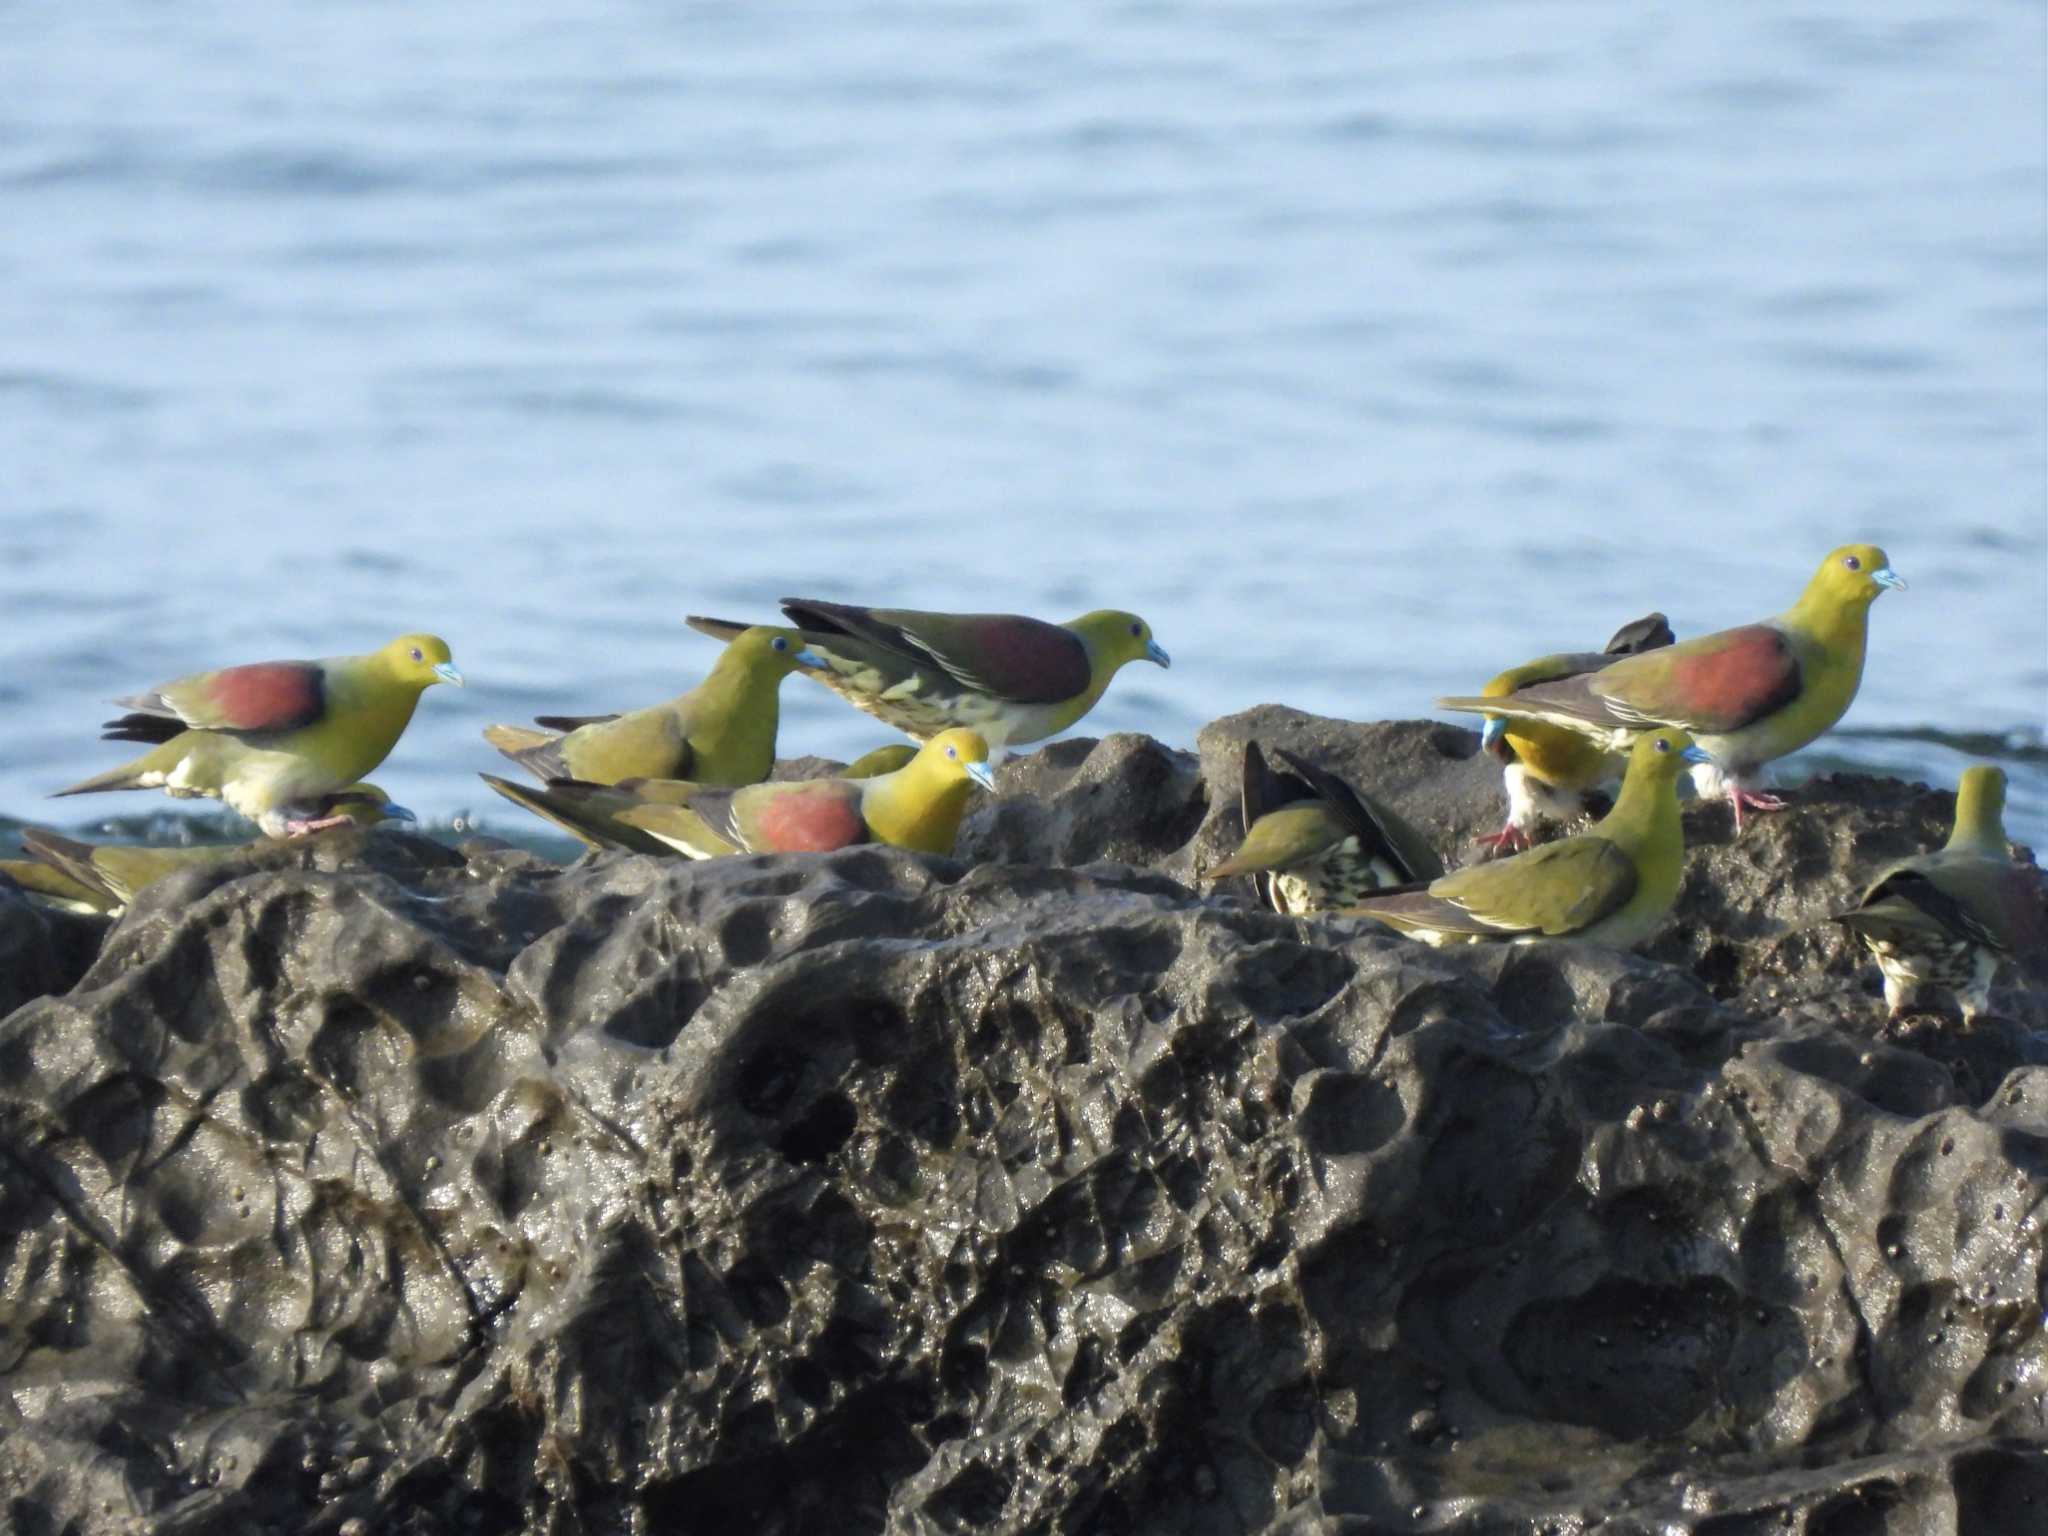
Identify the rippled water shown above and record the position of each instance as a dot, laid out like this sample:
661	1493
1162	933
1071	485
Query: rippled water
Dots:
1365	348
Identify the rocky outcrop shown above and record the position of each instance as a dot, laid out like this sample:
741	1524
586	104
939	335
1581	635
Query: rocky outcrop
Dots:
375	1186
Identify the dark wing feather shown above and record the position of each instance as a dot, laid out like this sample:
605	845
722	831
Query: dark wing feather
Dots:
1652	632
1265	788
1005	655
570	722
718	629
143	727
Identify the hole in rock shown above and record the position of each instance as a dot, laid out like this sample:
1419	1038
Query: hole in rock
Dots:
1635	1360
820	1130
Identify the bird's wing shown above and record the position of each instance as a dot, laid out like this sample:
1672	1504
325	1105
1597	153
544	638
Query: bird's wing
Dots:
813	816
1556	889
1005	655
263	696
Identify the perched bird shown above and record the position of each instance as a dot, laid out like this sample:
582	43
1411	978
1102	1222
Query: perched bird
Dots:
1946	919
1312	842
1011	679
273	738
1548	769
105	877
720	732
917	806
1747	695
1610	885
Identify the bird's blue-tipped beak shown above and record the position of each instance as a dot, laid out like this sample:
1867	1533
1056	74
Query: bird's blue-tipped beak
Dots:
983	775
1885	576
1154	651
1496	727
445	670
1696	755
810	658
398	813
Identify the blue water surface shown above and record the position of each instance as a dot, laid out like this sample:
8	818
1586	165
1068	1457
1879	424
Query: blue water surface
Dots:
1364	348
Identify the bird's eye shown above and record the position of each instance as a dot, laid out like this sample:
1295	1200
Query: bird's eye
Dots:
1137	629
780	642
416	656
952	751
1663	745
1852	562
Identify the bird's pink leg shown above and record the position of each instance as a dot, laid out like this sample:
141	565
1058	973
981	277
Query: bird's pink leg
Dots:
1752	799
305	828
1510	839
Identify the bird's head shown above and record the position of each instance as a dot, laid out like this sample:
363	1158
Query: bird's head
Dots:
1115	637
365	805
1980	808
1664	754
1853	576
780	650
959	754
422	660
1493	738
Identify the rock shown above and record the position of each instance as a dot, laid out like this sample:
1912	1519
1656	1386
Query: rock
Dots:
400	1188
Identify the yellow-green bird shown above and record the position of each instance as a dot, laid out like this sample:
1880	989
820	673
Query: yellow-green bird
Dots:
275	737
918	806
1312	842
1548	770
104	877
1748	695
590	812
720	732
1946	919
1613	884
1011	679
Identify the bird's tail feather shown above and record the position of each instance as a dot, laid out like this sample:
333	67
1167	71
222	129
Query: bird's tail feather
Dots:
66	855
538	752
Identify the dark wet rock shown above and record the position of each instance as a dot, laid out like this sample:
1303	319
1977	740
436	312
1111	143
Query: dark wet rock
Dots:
453	1191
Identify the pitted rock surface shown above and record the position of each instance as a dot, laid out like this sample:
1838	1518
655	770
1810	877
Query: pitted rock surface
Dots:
376	1182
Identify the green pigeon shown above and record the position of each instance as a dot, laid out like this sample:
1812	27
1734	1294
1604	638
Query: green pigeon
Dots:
1945	920
720	732
917	806
87	877
1613	884
1313	842
1011	679
1748	695
273	738
1548	769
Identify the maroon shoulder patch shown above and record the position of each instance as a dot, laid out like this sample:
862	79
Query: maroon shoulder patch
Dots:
813	819
264	696
1025	660
1741	680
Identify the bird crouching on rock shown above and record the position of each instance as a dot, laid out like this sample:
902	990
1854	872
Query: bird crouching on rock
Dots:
273	738
1748	696
1548	770
104	877
1613	884
1312	842
1011	679
917	806
1945	920
720	732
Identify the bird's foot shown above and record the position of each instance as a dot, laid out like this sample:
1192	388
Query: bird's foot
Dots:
298	828
1509	839
1754	800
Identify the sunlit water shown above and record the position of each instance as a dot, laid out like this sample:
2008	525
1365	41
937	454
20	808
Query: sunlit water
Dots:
1365	349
